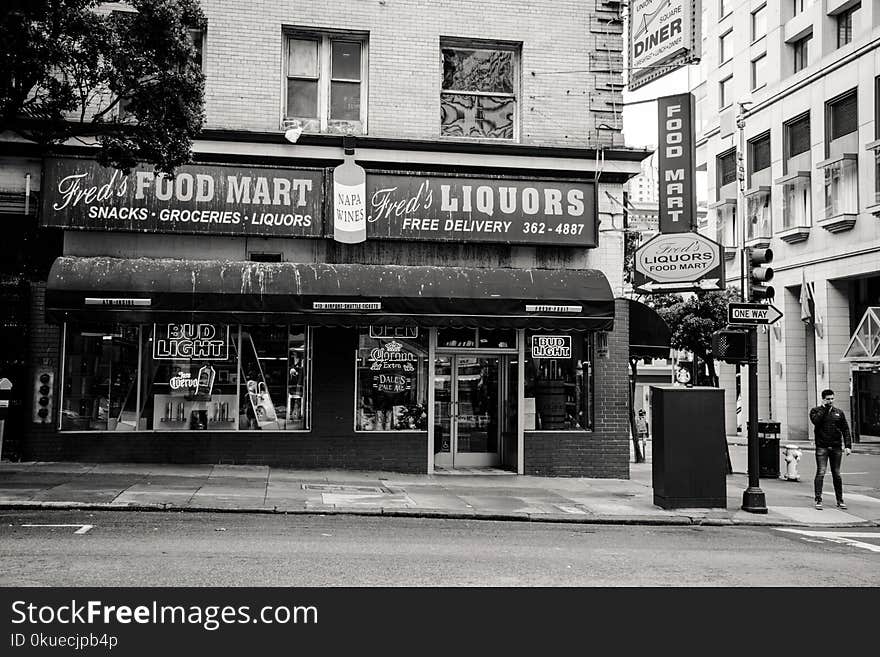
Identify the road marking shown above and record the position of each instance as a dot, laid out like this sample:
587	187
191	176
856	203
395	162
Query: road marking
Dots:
82	528
844	538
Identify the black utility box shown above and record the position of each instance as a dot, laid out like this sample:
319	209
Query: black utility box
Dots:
768	448
689	467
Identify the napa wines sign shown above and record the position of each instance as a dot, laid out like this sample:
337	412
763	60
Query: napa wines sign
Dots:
198	199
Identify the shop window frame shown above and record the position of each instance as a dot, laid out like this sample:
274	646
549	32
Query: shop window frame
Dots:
235	331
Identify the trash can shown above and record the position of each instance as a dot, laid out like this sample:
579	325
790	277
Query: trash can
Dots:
768	448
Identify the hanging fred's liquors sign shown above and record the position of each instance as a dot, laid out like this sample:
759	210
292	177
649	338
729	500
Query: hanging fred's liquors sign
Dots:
676	167
190	342
199	199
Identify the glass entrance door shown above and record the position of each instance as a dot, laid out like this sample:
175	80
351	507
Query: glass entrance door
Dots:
469	397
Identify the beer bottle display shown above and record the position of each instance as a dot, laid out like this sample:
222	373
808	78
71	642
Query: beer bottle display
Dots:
205	381
349	202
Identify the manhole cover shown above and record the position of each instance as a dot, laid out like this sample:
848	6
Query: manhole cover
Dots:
342	488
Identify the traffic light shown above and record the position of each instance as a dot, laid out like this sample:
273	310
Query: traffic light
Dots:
44	383
731	346
760	274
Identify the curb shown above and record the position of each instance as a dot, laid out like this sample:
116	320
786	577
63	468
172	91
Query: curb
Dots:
439	514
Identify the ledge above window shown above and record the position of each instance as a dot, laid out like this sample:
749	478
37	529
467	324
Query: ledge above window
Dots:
722	204
836	160
793	177
873	145
838	223
794	235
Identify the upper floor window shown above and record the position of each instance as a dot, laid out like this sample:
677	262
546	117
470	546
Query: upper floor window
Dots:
759	72
326	75
724	7
799	5
725	46
726	165
759	153
759	23
845	20
478	96
725	92
801	49
843	116
797	136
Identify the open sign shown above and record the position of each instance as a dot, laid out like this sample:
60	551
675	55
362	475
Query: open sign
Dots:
551	346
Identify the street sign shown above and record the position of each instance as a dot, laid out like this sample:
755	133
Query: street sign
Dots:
679	262
752	314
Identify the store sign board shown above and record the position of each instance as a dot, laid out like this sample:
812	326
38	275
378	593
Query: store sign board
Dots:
199	199
465	209
664	35
551	308
677	208
190	342
551	346
107	301
679	262
347	305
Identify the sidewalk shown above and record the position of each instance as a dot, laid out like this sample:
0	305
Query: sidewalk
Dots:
261	489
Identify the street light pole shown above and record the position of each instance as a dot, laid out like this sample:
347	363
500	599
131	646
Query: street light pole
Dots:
753	497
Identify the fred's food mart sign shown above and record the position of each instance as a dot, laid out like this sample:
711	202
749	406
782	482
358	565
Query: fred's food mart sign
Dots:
208	199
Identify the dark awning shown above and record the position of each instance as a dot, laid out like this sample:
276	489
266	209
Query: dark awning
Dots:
649	335
146	290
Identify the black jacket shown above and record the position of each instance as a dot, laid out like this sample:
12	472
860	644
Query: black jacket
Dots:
830	425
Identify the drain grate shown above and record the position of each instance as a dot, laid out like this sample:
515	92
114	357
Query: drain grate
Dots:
343	488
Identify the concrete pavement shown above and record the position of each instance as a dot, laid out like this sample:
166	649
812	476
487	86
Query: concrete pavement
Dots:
261	489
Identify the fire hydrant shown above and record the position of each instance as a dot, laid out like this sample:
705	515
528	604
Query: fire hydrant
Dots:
791	454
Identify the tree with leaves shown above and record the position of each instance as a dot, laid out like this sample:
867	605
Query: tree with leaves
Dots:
693	318
128	80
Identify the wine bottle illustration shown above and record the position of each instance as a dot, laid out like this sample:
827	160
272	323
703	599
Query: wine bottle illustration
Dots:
349	202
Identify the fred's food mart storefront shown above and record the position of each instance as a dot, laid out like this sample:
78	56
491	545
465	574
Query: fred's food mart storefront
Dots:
362	365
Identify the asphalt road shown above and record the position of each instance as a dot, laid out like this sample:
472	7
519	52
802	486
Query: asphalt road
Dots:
189	549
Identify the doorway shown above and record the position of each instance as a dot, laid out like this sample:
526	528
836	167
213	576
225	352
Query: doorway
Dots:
474	422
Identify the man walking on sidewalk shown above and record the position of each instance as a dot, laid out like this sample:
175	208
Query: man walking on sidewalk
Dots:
832	440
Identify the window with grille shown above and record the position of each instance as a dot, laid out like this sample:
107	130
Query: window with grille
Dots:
478	96
844	115
325	77
759	153
727	168
797	135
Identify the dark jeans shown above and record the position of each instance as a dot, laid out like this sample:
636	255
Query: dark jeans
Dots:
823	455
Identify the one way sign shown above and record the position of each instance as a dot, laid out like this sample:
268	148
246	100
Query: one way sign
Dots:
753	314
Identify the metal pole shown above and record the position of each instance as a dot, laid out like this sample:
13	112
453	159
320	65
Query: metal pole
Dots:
753	497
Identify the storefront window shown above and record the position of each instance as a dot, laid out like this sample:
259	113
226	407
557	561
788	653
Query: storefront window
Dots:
273	381
100	379
477	338
180	377
186	370
558	381
392	383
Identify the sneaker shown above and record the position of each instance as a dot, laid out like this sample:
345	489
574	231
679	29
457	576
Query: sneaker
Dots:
819	505
841	505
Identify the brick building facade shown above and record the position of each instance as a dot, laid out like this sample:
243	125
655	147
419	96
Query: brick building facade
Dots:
474	326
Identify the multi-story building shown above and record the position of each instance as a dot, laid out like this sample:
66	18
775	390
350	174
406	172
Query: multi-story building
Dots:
233	313
805	77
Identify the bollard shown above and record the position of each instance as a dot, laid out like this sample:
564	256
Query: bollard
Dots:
791	454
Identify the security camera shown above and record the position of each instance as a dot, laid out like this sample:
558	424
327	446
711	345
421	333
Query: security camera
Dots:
293	131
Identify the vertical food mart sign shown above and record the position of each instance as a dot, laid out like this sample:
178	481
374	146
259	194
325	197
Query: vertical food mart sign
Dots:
663	36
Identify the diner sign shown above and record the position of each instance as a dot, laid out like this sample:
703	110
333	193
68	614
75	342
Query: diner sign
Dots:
199	199
464	209
190	342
